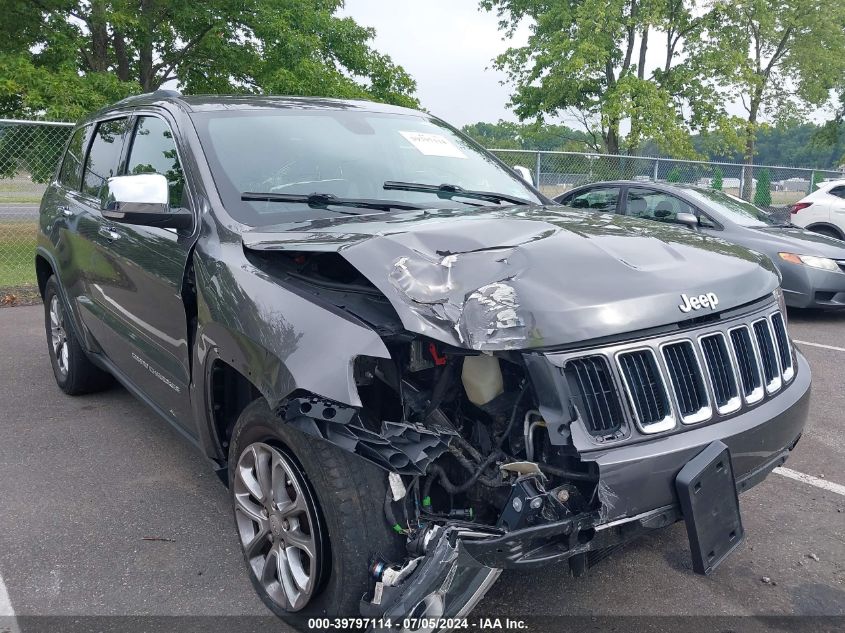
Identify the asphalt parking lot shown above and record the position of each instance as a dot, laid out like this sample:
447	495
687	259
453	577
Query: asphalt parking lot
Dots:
105	510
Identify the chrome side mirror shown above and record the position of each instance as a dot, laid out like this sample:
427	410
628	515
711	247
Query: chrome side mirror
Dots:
142	199
687	219
525	174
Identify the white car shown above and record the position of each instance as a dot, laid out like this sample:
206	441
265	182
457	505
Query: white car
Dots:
823	211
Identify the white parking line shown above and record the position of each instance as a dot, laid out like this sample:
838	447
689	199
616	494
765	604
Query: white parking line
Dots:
823	346
7	613
824	484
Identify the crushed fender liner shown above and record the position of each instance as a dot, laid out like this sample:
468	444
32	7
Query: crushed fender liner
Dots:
402	447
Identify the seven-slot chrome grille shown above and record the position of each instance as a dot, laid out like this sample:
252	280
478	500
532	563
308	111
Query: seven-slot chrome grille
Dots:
679	380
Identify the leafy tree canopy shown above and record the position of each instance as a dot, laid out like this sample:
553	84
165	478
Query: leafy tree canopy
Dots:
791	144
588	58
780	59
534	136
60	58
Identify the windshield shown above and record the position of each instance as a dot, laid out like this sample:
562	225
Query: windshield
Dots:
344	153
734	209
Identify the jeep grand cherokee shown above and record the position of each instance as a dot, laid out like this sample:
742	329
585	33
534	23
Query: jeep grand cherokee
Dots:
411	368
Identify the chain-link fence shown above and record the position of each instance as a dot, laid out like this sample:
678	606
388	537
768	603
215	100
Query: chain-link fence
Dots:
767	186
29	153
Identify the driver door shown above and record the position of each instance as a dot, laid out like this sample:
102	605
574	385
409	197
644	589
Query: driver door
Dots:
145	293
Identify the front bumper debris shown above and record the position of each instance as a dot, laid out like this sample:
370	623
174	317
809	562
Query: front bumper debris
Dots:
636	491
447	583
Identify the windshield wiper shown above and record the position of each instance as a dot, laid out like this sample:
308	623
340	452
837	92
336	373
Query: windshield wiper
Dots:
324	200
447	192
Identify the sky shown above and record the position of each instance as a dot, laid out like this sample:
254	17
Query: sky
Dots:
447	47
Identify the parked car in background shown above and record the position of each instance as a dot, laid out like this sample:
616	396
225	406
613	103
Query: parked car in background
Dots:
812	265
823	211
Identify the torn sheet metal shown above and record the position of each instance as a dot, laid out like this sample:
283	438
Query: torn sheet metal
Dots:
447	583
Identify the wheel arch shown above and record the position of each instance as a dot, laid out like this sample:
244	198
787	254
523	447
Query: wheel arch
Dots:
43	270
826	225
220	396
46	267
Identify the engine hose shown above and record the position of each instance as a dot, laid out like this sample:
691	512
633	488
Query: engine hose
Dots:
514	415
388	513
453	489
462	459
469	448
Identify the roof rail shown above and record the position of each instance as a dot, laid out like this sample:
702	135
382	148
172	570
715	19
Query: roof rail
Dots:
162	92
165	92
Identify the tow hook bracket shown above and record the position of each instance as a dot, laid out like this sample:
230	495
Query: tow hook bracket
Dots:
524	505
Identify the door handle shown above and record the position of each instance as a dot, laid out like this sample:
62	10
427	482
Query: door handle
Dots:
66	211
108	233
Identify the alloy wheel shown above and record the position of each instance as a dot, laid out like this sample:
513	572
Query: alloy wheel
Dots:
58	336
278	525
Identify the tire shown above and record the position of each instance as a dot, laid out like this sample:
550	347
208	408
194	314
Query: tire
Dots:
74	372
823	230
343	495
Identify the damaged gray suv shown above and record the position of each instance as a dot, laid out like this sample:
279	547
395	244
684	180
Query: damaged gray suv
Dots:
411	369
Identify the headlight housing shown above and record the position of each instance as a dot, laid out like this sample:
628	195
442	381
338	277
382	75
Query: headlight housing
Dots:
813	261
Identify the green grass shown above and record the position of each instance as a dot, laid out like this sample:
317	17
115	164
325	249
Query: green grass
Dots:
22	198
17	254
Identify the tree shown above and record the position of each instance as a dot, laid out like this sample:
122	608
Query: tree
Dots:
781	59
533	136
673	175
107	47
763	192
716	183
832	133
588	58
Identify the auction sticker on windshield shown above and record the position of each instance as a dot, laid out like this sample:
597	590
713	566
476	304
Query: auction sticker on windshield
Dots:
433	144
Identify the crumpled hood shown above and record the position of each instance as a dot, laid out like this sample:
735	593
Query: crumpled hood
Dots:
529	277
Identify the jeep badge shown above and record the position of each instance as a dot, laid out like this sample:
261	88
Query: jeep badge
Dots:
709	300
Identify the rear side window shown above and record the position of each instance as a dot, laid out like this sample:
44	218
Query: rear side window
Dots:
655	205
104	155
604	199
154	152
839	192
71	172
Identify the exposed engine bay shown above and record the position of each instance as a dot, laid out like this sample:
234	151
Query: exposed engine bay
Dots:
466	450
465	426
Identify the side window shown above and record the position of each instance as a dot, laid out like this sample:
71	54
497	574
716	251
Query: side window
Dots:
71	172
104	155
839	192
655	205
603	199
706	223
154	152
